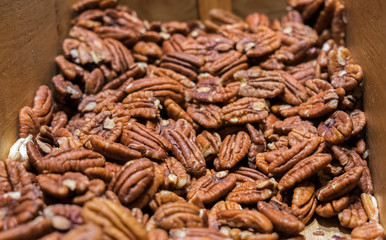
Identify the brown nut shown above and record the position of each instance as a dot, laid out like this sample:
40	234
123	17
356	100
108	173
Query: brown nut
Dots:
142	104
177	215
299	133
354	215
294	93
164	197
255	20
209	143
137	134
69	69
304	201
304	169
115	220
245	219
232	150
342	70
244	174
149	49
176	176
337	128
293	32
208	116
196	233
71	212
259	83
245	110
90	231
330	209
210	188
369	230
316	86
176	112
371	206
219	206
252	192
43	105
28	122
281	220
183	63
321	104
359	121
30	230
131	181
340	185
186	151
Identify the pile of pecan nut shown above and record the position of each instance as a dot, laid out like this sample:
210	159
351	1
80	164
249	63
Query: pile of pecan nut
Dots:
223	129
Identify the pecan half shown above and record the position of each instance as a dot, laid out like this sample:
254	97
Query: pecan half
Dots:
43	105
30	230
28	122
175	112
196	233
164	197
359	121
245	110
369	230
90	231
304	201
115	220
337	128
183	63
371	206
232	150
175	174
210	188
177	215
252	192
208	116
186	151
330	209
227	65
340	185
245	219
354	215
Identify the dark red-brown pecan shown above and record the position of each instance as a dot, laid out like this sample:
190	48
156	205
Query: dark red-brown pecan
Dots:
20	200
115	151
28	122
304	169
197	234
105	173
164	197
262	42
219	206
342	70
259	83
227	65
164	72
315	86
116	221
283	160
252	192
31	230
85	231
148	49
70	70
281	220
353	216
337	128
61	161
351	159
245	219
245	110
186	128
121	58
64	91
369	230
142	104
131	181
294	92
210	188
174	27
330	209
340	185
186	151
94	81
176	176
232	150
321	104
254	20
63	186
183	63
175	43
244	174
209	143
137	134
43	105
175	111
208	116
304	201
359	121
301	132
96	188
293	32
177	215
161	87
71	212
285	126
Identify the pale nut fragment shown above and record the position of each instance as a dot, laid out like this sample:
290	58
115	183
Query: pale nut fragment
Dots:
252	192
304	169
178	215
232	150
210	188
18	151
358	118
340	185
281	220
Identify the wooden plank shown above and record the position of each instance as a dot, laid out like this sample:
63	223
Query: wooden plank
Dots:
206	5
366	38
274	9
164	10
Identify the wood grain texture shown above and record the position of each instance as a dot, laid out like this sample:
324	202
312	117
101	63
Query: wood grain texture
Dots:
366	38
206	5
164	10
30	32
273	8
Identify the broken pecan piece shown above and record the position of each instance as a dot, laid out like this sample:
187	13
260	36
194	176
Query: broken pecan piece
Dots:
209	143
232	150
175	174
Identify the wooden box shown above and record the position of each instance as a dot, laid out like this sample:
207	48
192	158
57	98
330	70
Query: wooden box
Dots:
31	33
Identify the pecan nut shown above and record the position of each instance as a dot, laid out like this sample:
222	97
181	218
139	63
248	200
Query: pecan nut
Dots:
245	110
245	219
337	128
353	216
369	230
252	192
208	116
304	201
330	209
